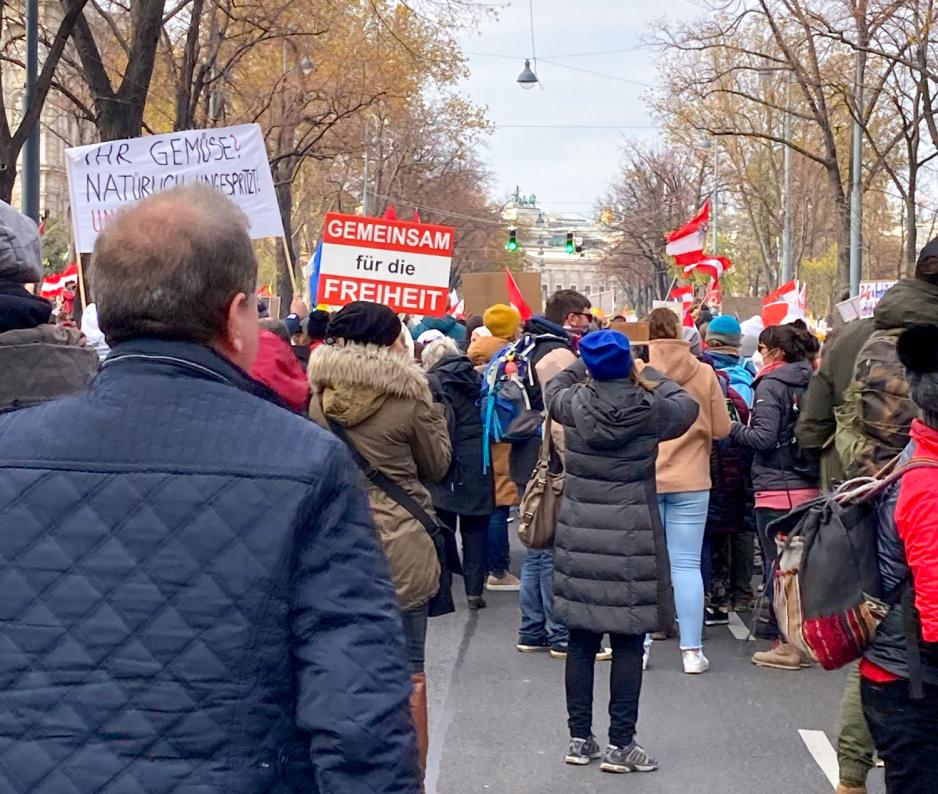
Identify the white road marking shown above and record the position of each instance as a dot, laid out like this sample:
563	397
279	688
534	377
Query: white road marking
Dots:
823	753
739	629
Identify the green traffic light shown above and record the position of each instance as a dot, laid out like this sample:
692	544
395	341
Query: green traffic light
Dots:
511	245
569	248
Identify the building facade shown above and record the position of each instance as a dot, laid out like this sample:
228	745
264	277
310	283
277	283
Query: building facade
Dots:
542	236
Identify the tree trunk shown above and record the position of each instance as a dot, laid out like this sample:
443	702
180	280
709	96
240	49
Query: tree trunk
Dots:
911	230
285	202
842	208
7	171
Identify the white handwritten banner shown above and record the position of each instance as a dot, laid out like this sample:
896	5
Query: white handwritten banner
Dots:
104	177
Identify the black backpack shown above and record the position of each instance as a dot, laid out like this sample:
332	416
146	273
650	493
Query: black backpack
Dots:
827	592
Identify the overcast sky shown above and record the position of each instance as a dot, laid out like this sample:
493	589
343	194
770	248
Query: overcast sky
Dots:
568	169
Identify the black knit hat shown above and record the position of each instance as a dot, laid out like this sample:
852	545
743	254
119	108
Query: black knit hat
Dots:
926	269
365	322
317	324
918	351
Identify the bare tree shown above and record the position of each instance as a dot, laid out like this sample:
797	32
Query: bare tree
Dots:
11	141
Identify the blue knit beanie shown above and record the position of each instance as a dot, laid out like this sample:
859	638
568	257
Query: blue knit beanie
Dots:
724	331
607	355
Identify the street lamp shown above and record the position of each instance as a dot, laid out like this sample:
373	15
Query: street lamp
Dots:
527	79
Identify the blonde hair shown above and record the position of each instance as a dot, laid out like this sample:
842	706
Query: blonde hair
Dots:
640	379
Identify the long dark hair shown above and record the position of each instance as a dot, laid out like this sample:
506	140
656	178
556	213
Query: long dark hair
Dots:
795	341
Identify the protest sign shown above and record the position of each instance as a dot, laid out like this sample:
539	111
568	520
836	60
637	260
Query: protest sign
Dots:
871	292
402	264
674	306
104	177
742	307
481	290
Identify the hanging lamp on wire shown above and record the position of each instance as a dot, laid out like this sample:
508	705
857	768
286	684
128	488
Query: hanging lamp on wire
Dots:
528	78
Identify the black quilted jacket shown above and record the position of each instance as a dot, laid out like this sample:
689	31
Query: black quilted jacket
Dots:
611	567
193	597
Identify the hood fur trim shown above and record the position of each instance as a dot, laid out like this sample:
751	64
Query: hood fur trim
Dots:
379	369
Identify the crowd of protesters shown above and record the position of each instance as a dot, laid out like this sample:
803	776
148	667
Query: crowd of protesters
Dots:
246	523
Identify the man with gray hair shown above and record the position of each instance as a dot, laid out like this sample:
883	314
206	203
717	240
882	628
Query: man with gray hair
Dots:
194	598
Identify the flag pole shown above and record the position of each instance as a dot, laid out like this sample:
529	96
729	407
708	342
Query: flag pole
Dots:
673	282
289	261
81	279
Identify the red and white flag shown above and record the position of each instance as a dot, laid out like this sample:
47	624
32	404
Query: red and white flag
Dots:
687	243
714	296
713	266
683	295
786	304
53	285
516	298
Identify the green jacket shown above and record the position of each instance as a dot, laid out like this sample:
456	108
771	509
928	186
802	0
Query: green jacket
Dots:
873	423
825	393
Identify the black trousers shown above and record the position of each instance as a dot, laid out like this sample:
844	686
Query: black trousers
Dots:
625	684
905	732
474	531
764	517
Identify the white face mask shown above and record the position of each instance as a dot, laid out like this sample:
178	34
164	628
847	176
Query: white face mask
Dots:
758	361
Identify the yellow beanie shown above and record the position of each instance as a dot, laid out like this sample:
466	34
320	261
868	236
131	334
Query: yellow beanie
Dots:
503	321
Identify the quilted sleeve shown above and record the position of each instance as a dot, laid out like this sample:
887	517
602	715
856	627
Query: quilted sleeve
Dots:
917	522
353	677
765	421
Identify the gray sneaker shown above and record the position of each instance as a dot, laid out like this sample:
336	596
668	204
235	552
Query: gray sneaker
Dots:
622	759
582	751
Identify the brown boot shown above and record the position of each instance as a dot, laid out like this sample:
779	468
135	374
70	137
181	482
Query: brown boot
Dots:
843	788
781	656
418	707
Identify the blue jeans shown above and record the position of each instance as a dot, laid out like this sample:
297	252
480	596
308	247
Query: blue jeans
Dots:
498	542
684	516
536	600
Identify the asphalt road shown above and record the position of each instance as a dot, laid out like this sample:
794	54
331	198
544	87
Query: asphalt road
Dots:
498	722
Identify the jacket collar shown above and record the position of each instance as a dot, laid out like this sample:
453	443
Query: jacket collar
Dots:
539	324
179	360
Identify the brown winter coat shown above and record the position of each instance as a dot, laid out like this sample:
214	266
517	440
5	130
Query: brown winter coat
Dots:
480	352
383	401
684	463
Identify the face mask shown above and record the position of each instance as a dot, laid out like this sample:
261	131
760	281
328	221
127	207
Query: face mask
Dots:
758	361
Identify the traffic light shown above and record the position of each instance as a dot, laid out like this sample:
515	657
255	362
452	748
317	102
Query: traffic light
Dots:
570	246
512	244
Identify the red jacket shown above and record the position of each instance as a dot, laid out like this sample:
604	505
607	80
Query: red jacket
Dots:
277	367
917	523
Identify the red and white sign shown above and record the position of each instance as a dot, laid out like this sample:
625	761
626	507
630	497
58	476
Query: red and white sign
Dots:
402	264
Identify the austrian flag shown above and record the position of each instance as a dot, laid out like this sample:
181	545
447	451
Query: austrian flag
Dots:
687	243
713	266
52	286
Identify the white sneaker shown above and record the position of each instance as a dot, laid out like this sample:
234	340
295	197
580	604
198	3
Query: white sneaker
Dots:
695	662
646	653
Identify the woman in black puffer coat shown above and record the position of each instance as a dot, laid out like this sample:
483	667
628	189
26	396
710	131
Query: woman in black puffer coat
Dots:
611	567
466	495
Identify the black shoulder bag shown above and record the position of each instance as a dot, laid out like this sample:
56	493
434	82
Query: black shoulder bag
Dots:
444	539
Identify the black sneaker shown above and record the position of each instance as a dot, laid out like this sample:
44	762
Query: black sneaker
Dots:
558	651
621	759
476	602
715	616
526	645
581	751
